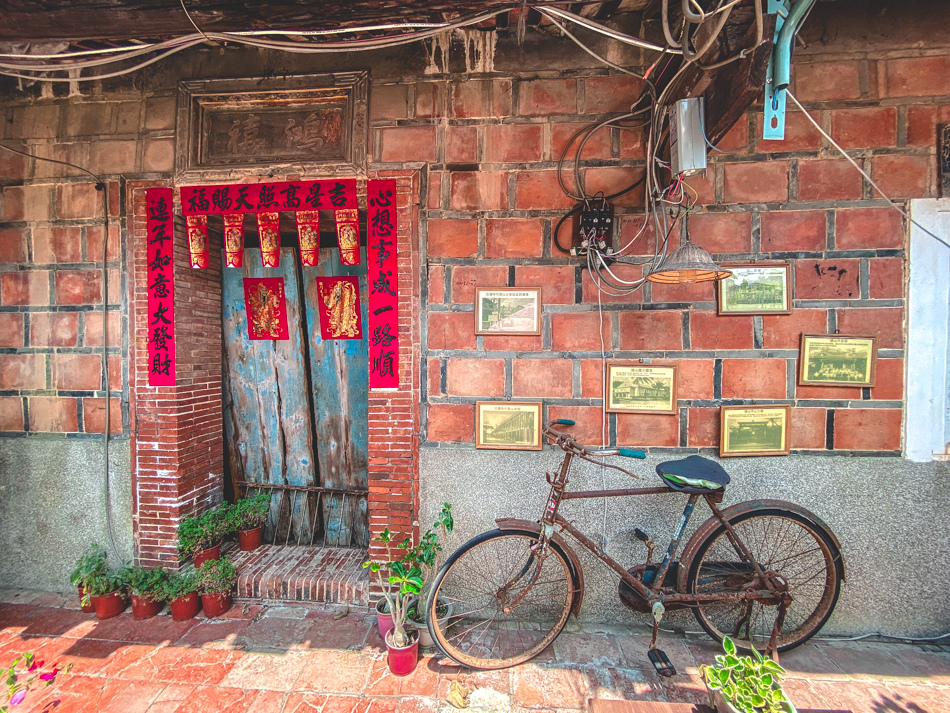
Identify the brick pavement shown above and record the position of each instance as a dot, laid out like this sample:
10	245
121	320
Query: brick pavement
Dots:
298	658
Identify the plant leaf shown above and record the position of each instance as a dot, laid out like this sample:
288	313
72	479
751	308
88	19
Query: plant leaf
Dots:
729	646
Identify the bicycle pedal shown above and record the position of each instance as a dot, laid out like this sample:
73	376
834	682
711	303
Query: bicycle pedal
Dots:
661	662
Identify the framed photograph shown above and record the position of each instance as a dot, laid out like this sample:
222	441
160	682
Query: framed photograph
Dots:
835	360
754	430
508	310
508	425
756	289
636	388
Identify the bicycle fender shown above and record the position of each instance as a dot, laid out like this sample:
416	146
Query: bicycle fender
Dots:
708	527
511	523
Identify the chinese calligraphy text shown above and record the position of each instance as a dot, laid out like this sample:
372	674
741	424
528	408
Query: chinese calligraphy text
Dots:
161	287
383	288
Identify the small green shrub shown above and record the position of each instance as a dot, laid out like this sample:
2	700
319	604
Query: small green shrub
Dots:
217	576
751	684
180	584
201	532
91	564
148	584
108	581
249	513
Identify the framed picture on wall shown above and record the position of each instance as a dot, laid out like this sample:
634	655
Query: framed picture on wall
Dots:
636	388
508	425
508	310
756	289
754	430
837	360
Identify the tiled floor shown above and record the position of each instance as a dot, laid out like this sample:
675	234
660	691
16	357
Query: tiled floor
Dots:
300	658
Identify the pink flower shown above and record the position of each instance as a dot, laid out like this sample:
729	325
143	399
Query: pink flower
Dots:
35	665
17	698
49	676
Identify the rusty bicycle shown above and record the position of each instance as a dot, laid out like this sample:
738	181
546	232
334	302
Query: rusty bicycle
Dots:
766	573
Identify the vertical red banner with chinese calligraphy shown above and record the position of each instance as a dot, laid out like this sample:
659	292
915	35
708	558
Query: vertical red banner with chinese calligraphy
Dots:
382	280
161	288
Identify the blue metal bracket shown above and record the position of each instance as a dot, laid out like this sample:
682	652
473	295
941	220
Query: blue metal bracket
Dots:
774	119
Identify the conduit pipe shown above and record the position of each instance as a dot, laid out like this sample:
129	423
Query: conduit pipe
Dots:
785	41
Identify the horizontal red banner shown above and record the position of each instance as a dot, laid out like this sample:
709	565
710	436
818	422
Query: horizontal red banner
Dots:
268	197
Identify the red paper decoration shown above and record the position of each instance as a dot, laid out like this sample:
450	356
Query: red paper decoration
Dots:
308	232
339	307
234	239
268	197
382	275
160	276
268	228
198	240
266	308
348	235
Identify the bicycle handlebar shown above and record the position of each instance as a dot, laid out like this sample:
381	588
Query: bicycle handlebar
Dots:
567	442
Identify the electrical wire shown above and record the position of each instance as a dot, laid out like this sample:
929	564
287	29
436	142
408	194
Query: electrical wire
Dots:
606	31
588	50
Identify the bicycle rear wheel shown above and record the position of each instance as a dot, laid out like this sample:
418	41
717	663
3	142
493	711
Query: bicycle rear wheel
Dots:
497	602
799	551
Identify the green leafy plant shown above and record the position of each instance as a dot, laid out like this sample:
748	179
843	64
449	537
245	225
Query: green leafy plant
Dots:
752	684
428	555
217	576
148	584
108	581
201	532
404	578
91	565
249	513
180	584
19	683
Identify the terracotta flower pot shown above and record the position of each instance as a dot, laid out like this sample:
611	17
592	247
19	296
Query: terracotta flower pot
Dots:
216	603
144	608
109	605
402	660
250	540
88	608
202	556
384	620
185	607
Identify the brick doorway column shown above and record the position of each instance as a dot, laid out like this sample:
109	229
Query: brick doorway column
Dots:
177	432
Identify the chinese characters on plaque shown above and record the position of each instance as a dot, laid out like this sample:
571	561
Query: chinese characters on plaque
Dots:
382	275
160	275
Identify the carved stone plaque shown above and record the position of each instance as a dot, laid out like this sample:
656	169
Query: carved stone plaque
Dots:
313	123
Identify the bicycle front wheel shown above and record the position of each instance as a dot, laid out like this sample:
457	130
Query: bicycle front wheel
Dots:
797	550
498	602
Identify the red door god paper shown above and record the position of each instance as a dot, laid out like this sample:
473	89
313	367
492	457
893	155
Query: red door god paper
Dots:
266	308
339	307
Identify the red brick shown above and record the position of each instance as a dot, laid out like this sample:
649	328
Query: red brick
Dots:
436	290
616	93
451	330
579	331
755	182
94	415
53	415
14	165
93	331
501	97
794	231
664	293
868	429
868	228
888	380
434	376
452	238
11	329
461	144
471	99
917	76
480	190
435	189
506	143
77	372
613	179
542	378
11	413
80	200
828	180
784	331
539	190
556	283
737	136
465	278
592	378
512	343
57	245
921	125
902	176
703	429
631	230
22	371
827	81
647	429
388	101
808	428
475	377
428	100
30	203
514	238
55	329
622	271
694	377
24	288
884	323
708	330
826	392
408	144
12	246
633	145
800	134
543	97
598	146
864	128
588	426
115	372
722	232
886	277
754	379
827	279
651	330
94	243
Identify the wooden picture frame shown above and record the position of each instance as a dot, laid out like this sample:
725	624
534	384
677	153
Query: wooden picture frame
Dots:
633	387
837	360
756	288
508	425
508	310
754	430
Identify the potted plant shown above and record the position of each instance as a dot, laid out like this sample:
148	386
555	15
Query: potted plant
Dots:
91	564
215	581
181	589
108	591
148	591
200	536
745	684
248	516
405	584
428	555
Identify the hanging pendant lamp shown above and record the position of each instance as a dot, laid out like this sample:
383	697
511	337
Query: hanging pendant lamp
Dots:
688	263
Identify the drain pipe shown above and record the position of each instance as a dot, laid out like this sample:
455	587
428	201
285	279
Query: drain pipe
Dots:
786	40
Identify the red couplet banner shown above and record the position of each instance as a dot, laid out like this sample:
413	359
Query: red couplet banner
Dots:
268	197
382	279
160	272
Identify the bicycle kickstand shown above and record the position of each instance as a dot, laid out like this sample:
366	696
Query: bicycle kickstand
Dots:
772	649
661	662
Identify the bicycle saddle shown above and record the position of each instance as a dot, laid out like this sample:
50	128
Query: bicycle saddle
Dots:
693	474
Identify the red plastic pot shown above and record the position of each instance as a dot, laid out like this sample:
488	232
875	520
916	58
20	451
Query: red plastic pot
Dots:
88	608
212	553
250	539
403	660
215	604
185	607
145	609
109	605
384	620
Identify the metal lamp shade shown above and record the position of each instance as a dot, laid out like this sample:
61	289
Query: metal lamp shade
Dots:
688	263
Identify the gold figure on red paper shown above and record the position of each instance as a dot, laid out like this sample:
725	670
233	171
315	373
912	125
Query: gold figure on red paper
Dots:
340	305
265	306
